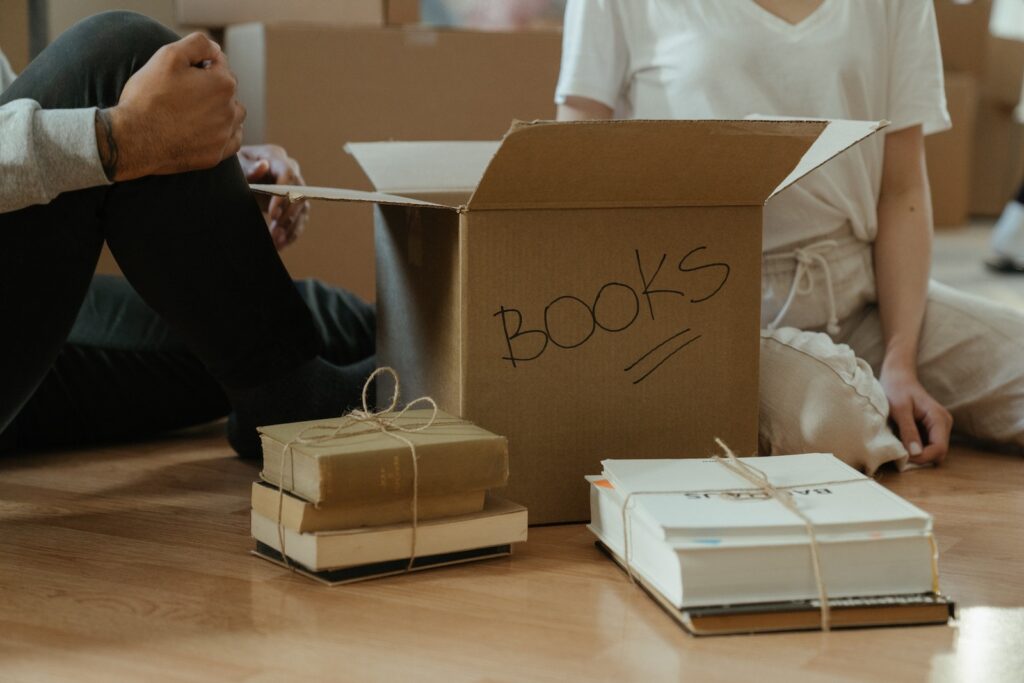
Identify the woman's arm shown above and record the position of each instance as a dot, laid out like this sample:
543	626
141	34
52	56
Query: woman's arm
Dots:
902	254
583	109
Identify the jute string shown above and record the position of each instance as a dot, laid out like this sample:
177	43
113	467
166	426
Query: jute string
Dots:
760	483
385	421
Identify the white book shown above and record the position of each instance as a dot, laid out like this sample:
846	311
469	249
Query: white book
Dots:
500	523
699	547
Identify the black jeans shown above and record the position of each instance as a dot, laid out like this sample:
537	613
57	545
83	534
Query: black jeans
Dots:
193	245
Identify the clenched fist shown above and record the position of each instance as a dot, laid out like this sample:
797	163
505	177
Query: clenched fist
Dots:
177	113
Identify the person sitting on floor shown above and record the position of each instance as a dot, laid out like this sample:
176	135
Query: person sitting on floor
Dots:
855	332
121	133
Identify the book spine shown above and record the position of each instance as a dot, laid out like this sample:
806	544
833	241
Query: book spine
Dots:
387	475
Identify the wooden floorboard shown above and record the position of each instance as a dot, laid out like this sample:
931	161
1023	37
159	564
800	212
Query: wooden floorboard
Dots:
132	563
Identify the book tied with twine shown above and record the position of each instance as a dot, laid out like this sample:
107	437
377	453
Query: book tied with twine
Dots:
363	464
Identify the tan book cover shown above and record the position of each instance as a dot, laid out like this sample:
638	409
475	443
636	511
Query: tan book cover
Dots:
499	523
302	516
365	464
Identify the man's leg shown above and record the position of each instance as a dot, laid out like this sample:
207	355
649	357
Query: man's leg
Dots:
123	373
193	245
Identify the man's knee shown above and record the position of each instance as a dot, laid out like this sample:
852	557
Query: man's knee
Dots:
88	65
129	35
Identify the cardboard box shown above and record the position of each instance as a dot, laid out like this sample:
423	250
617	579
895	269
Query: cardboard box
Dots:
998	166
14	32
963	34
313	89
949	154
589	290
222	13
1004	78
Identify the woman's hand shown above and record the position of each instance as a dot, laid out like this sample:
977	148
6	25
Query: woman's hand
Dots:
270	164
922	424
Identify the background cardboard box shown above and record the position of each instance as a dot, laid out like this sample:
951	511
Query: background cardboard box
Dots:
221	13
314	89
998	165
963	34
14	32
62	14
949	154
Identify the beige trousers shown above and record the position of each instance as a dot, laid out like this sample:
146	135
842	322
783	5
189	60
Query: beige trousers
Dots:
822	346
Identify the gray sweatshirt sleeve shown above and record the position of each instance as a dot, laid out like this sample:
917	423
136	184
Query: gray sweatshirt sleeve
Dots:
44	152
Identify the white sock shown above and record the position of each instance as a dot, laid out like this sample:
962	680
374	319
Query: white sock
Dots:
1008	235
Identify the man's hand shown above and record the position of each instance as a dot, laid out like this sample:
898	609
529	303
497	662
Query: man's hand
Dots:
922	423
177	113
271	165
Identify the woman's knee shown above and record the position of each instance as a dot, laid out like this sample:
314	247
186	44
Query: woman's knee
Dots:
817	396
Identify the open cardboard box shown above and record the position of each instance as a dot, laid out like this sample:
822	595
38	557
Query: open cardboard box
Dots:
589	290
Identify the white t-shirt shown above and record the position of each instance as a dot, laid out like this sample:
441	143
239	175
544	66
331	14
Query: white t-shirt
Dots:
727	59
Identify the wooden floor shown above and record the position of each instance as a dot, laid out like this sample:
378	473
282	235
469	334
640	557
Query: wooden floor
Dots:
132	563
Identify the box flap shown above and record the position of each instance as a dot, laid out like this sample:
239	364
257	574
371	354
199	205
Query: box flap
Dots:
590	164
299	192
839	136
424	168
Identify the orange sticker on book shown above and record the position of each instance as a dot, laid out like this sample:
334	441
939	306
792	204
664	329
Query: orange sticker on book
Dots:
604	483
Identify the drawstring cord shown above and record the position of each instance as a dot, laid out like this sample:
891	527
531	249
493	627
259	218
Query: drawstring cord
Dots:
803	283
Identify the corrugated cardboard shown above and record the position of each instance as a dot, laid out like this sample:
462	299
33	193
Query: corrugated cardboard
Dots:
14	32
963	34
1004	77
313	89
949	154
221	13
589	290
998	167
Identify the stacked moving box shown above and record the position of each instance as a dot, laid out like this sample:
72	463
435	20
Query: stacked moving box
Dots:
976	167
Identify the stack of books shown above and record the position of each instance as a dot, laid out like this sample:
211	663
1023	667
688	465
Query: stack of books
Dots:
722	556
346	501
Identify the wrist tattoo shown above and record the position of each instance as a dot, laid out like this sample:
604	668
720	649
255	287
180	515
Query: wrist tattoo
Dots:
108	146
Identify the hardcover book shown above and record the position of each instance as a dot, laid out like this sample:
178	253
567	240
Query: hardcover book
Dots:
702	536
500	523
364	464
303	516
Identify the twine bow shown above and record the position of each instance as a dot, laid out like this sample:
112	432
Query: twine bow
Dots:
760	481
385	421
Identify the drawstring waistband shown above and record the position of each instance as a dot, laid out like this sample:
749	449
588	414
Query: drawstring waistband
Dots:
803	283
